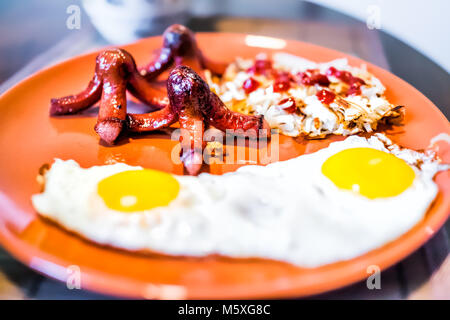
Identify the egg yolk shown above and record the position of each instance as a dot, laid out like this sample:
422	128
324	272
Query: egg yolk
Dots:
369	172
138	190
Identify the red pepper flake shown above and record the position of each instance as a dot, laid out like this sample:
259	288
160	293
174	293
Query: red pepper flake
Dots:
250	85
282	81
325	96
355	89
260	67
358	81
305	78
321	79
312	76
355	86
332	71
291	105
345	76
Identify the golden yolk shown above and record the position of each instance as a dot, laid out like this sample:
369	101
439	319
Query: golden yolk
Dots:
138	190
369	172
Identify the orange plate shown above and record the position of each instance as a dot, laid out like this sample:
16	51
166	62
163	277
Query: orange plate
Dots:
29	138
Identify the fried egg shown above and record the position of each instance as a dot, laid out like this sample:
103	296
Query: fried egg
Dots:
335	204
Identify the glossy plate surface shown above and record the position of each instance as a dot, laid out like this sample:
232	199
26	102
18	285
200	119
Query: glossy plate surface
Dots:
30	138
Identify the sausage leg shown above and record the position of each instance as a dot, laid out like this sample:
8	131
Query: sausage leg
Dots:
151	121
76	103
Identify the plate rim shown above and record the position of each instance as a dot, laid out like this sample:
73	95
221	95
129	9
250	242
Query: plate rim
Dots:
15	246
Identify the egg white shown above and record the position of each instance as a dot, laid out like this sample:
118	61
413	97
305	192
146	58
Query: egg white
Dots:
287	211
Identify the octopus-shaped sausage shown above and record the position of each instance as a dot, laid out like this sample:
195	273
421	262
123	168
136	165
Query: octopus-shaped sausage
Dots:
189	101
115	73
196	107
180	48
116	70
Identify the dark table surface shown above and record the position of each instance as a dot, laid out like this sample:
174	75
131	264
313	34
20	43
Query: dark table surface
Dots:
41	39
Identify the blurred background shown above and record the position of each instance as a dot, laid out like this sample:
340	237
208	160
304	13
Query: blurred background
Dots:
410	38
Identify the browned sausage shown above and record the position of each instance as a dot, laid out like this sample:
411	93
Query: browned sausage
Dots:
145	92
76	103
113	105
178	42
115	73
213	109
191	140
126	66
222	118
151	121
185	95
180	48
